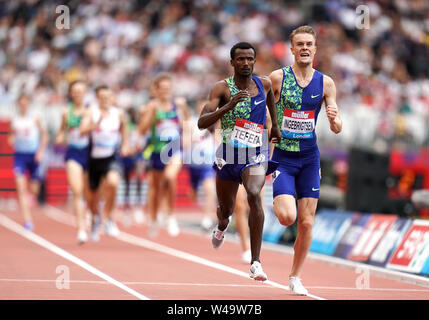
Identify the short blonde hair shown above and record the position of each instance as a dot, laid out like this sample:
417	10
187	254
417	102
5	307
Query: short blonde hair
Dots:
303	29
162	76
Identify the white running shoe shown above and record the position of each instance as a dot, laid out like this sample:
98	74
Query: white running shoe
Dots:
126	218
206	223
95	228
88	218
256	272
219	236
296	286
173	227
138	216
153	229
82	237
246	257
111	229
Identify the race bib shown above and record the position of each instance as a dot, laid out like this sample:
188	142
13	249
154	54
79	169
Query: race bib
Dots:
298	124
246	134
167	129
75	139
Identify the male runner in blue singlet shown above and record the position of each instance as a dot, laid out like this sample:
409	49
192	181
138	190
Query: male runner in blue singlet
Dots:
240	102
77	155
299	91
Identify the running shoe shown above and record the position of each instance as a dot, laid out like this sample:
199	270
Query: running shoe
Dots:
111	229
296	286
82	236
95	228
246	257
153	229
29	226
126	218
138	216
256	272
218	236
206	223
172	227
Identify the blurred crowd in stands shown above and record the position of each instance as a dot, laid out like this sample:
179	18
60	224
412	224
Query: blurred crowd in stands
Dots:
381	73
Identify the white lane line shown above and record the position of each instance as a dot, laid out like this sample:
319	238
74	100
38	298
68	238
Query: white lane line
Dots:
15	227
145	283
66	218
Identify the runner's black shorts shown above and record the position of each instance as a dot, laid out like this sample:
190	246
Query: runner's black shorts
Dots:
98	169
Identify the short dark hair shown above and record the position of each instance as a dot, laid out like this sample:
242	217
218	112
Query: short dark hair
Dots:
75	82
71	85
23	96
101	87
241	45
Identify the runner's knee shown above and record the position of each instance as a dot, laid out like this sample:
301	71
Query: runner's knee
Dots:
225	211
284	216
112	180
305	225
253	195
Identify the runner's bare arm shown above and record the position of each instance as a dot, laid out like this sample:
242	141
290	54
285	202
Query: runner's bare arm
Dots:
44	139
125	150
61	134
212	111
147	114
329	92
276	78
11	137
275	134
87	125
183	110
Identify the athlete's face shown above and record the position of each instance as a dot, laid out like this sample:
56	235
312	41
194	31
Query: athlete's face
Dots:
104	97
164	89
23	104
77	92
243	62
303	48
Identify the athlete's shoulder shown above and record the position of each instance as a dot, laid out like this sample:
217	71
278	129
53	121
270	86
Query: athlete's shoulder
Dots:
65	110
266	82
328	81
180	101
220	87
276	73
265	79
92	107
151	104
120	111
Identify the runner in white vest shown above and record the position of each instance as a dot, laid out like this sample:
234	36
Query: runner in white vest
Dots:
107	127
29	140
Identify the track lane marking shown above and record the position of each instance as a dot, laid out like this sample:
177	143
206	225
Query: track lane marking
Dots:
207	284
15	227
66	218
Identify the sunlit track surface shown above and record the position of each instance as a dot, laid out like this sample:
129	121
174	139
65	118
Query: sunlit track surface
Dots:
163	268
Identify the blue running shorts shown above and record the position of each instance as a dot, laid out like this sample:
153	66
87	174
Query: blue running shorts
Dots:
297	174
23	162
81	156
231	162
198	174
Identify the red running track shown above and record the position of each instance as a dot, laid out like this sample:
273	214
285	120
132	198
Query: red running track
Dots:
185	267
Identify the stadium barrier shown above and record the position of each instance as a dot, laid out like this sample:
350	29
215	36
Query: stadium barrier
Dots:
383	240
